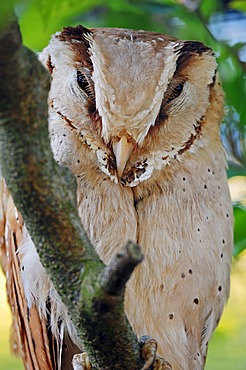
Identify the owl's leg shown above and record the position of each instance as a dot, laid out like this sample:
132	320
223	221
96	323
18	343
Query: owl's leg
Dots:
81	362
152	360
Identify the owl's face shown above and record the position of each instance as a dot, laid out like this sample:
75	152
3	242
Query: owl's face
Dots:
137	100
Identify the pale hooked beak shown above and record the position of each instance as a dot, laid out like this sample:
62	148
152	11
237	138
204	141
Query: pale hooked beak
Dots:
122	150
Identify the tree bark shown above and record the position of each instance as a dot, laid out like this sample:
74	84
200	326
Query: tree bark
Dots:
45	194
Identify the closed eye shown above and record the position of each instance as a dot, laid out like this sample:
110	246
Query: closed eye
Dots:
86	85
83	82
175	92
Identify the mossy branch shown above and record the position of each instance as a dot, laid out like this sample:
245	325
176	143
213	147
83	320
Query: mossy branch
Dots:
45	194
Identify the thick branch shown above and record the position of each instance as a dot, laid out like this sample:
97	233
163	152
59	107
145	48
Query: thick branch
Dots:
45	194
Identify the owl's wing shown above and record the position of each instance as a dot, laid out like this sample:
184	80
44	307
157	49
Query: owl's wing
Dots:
31	337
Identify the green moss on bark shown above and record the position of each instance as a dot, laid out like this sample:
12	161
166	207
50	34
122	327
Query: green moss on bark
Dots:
45	194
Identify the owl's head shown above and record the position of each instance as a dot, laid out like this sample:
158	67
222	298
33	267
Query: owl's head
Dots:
138	100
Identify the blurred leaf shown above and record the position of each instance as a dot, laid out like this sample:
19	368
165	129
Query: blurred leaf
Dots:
155	7
40	19
209	7
239	229
122	6
128	20
234	83
233	134
238	5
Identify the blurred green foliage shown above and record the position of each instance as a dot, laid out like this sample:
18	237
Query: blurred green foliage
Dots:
185	19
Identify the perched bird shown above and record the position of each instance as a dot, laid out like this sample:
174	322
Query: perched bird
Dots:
135	115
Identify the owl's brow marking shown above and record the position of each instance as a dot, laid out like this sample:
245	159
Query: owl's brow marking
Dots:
78	39
187	50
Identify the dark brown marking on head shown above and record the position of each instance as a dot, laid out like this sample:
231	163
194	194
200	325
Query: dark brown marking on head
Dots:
134	172
77	33
69	122
49	65
187	52
96	120
198	129
111	165
162	116
188	144
76	37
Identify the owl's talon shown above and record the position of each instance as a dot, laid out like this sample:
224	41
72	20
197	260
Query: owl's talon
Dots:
161	364
81	362
152	360
148	347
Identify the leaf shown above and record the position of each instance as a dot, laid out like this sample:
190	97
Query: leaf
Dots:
238	5
239	229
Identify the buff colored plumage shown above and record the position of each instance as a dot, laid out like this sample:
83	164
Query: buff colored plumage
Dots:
136	116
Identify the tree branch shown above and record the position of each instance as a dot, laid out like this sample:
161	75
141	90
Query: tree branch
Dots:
116	274
45	194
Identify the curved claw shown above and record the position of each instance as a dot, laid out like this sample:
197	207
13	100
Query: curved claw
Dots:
149	348
161	364
81	362
152	360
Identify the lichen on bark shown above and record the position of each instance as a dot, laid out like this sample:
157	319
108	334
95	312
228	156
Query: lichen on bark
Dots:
45	194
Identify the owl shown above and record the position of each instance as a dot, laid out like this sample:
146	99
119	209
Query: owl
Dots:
135	116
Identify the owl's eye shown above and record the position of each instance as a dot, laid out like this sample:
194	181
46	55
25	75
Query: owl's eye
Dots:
83	82
175	92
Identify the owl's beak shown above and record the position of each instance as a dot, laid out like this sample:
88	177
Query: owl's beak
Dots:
122	149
